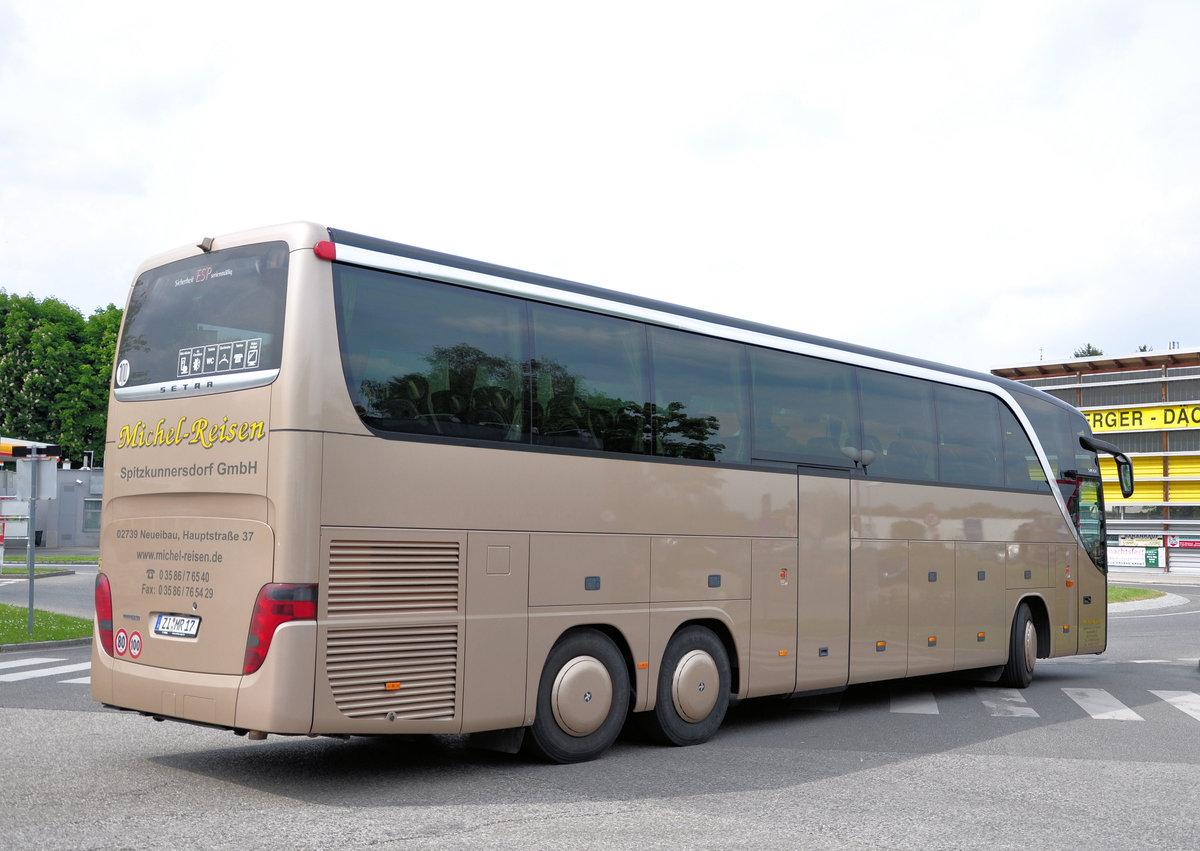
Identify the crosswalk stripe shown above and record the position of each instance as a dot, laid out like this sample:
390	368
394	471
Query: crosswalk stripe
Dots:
24	663
78	681
1006	703
1101	705
914	702
44	672
1185	701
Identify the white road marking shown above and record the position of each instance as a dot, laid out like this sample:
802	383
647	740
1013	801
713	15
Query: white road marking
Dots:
44	672
1184	701
1101	705
25	663
1006	703
914	702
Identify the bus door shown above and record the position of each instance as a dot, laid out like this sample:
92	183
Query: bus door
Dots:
879	584
823	579
1092	579
1064	619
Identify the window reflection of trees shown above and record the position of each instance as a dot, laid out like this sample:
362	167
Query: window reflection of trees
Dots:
469	392
465	391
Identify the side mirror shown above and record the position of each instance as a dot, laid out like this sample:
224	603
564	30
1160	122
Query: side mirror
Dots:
1125	475
1124	465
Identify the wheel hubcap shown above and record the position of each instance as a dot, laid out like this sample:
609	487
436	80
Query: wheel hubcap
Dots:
1030	645
695	686
582	696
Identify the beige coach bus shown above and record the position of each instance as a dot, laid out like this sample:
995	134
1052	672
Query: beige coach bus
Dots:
356	487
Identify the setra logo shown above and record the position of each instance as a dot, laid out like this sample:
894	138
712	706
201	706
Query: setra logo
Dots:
196	432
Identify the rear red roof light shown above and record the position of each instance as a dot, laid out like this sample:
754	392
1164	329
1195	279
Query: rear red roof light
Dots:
276	604
104	622
326	250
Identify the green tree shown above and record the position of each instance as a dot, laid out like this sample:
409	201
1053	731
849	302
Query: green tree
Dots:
1088	351
54	369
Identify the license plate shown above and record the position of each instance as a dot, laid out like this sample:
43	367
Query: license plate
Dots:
182	626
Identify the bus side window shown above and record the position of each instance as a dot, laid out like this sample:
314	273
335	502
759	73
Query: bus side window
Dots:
589	380
427	358
701	399
969	446
1021	468
898	414
805	409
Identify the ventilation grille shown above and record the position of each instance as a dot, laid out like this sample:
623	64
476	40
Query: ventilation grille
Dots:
410	673
392	577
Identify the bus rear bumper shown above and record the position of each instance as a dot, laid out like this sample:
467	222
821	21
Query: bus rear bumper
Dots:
278	698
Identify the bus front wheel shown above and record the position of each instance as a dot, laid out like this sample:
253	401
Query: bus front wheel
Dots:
1022	650
583	698
693	688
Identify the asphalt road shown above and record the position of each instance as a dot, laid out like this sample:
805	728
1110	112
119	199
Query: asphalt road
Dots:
70	594
1102	751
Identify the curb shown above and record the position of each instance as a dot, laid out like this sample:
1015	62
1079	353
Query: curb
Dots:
60	572
44	645
1166	601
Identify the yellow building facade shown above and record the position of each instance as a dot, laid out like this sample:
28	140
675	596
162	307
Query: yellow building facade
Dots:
1148	404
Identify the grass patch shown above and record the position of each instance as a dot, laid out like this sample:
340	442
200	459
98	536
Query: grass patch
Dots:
47	626
1123	594
20	558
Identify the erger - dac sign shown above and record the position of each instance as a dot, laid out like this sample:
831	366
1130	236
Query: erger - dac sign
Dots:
1145	418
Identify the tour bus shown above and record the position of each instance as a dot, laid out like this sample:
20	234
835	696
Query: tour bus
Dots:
357	487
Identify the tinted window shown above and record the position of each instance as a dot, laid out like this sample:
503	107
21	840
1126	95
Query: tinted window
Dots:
969	445
898	425
1059	430
589	380
701	401
805	409
217	317
1021	467
1090	509
431	358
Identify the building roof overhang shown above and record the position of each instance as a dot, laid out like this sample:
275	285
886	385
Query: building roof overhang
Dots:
1101	363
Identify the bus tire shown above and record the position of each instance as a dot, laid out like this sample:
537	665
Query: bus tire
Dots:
1022	650
583	698
693	688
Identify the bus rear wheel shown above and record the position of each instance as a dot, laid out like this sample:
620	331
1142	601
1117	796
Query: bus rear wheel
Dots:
583	698
1022	650
693	688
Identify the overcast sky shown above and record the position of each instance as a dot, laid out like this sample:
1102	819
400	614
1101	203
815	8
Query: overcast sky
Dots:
982	184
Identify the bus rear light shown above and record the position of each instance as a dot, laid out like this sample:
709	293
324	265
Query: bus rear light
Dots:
326	250
276	604
104	619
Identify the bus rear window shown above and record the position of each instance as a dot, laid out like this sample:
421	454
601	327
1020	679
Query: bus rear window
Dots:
204	325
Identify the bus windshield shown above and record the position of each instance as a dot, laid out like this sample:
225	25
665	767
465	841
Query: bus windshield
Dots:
205	324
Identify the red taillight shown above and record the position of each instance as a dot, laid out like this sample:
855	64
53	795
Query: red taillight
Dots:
326	250
276	604
104	613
